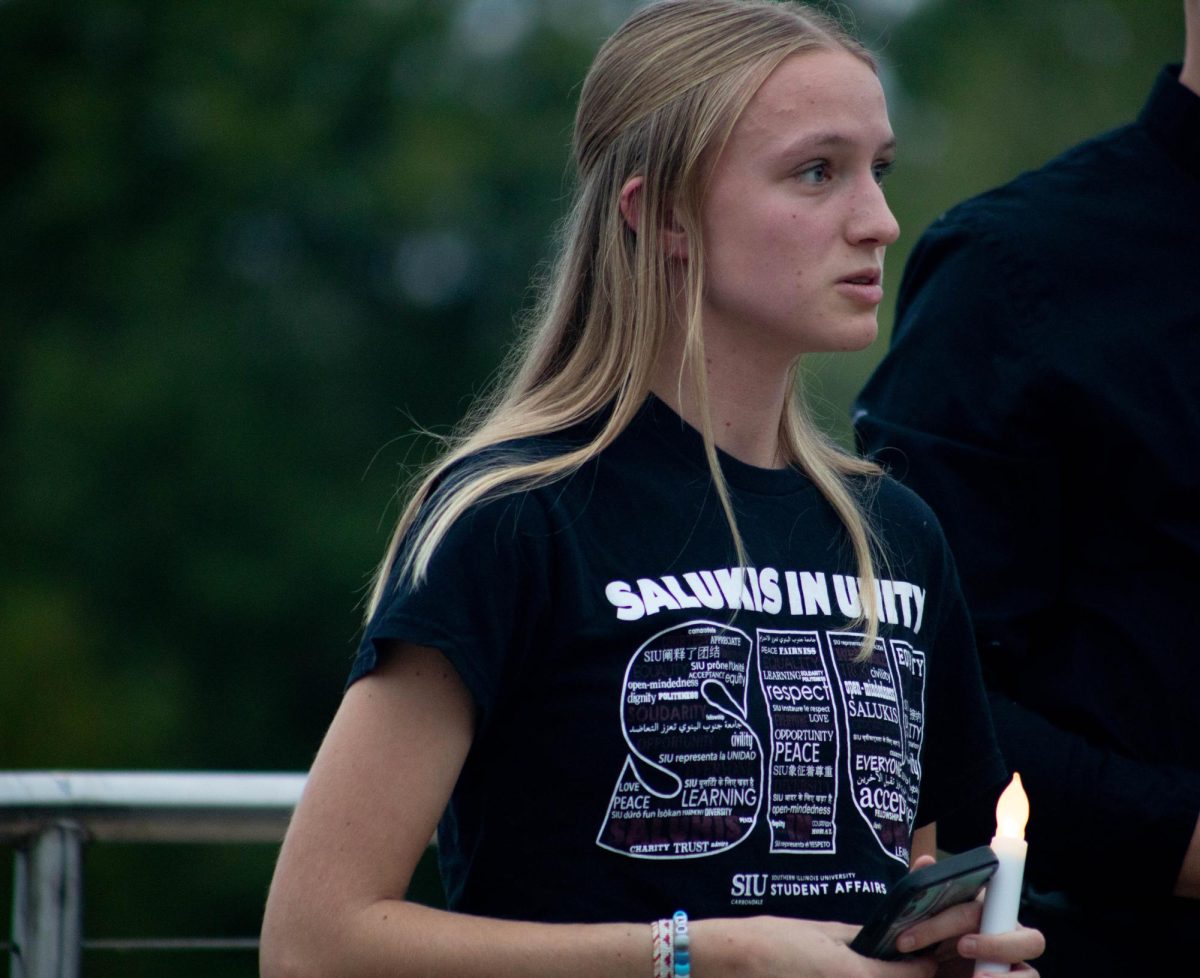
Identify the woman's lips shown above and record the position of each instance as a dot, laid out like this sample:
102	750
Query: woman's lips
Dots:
863	286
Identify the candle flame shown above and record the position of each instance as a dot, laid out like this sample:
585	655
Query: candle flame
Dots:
1012	810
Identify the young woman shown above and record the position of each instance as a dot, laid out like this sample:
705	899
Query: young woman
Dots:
644	641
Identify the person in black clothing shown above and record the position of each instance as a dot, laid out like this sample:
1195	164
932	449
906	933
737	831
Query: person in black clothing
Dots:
644	640
1042	393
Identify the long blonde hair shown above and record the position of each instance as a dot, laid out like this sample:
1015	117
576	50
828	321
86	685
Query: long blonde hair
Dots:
660	100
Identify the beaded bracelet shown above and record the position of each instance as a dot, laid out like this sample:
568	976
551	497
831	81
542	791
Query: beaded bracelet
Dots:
682	952
661	958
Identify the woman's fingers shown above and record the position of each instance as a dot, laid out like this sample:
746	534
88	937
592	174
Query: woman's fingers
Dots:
953	922
1014	947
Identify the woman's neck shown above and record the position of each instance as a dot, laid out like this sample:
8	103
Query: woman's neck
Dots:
745	403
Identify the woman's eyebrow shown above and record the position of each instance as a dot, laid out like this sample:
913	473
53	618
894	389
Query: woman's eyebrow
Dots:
829	140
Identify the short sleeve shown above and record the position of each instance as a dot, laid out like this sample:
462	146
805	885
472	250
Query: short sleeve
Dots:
481	601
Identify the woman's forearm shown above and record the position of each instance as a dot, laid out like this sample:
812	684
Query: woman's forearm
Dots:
399	939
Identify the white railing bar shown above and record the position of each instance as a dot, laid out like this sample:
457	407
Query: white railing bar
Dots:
148	806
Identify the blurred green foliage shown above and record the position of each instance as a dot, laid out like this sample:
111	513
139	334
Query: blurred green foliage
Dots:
246	249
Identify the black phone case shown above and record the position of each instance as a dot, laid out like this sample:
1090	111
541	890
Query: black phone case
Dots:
921	894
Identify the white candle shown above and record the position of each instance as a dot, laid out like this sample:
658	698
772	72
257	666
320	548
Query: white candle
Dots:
1003	896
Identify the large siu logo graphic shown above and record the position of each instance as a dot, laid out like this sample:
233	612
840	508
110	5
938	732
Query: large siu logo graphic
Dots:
692	782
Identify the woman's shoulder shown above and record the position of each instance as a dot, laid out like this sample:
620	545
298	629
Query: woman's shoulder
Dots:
900	516
522	450
511	479
893	498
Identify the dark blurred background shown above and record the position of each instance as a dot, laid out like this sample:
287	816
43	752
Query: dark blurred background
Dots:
246	250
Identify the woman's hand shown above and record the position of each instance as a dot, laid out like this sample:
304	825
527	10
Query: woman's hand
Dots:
954	938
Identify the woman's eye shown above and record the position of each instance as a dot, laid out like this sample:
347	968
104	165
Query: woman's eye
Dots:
815	173
882	169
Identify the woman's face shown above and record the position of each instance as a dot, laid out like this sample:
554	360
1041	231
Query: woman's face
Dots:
795	222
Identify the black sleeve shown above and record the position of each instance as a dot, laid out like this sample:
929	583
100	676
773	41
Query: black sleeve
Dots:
962	409
481	601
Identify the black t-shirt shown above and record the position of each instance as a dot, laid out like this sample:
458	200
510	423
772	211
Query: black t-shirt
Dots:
1042	393
659	727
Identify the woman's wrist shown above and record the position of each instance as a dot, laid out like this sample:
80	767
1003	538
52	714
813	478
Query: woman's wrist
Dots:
716	948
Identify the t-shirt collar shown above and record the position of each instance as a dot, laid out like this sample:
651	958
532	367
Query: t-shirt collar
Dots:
685	441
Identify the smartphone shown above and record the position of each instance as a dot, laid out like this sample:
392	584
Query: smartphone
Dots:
921	894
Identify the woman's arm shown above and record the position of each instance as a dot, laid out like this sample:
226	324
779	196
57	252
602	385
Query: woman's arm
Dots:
376	790
374	795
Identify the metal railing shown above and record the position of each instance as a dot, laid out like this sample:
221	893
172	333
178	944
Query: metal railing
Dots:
49	817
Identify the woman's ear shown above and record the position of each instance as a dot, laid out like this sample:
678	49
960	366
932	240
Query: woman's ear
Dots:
674	238
631	202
